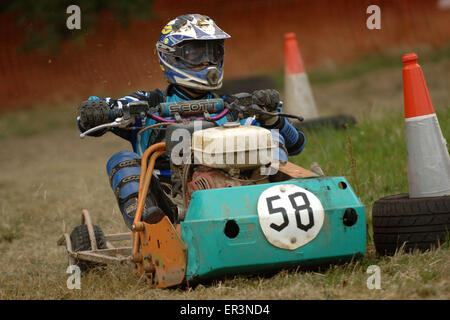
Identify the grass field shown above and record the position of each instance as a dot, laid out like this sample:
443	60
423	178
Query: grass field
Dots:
47	175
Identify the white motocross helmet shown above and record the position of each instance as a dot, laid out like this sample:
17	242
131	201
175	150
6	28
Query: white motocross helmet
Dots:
191	52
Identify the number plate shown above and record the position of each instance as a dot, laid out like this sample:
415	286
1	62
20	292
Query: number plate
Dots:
289	216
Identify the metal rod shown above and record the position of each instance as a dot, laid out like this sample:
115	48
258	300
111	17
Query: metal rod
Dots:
86	219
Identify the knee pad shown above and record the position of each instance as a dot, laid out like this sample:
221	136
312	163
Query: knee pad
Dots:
124	169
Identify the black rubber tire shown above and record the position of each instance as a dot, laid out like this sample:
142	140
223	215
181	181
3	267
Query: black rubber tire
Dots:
420	223
80	242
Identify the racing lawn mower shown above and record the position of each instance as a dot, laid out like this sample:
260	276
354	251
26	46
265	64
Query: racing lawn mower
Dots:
239	211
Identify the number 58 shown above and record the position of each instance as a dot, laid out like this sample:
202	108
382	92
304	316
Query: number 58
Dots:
296	207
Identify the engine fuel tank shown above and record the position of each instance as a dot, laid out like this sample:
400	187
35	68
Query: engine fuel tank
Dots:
233	146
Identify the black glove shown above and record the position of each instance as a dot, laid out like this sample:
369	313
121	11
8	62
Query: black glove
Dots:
269	100
94	113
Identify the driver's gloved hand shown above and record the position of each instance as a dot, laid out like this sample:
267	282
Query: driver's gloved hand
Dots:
93	113
269	100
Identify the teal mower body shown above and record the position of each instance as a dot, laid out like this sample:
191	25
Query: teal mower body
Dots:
299	222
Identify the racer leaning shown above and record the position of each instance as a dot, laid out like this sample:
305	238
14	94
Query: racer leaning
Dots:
191	51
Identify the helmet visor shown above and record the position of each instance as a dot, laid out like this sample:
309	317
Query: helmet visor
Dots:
197	52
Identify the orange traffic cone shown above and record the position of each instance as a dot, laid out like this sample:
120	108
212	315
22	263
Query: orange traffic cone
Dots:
299	99
428	158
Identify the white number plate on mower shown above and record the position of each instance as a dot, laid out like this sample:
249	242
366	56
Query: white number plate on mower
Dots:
289	216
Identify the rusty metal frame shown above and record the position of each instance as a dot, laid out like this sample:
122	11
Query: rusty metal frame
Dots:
162	270
109	255
164	254
294	171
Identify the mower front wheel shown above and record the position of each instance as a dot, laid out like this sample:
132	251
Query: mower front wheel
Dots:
81	242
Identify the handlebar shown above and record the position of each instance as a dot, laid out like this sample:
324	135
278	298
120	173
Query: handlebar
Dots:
126	114
207	118
119	122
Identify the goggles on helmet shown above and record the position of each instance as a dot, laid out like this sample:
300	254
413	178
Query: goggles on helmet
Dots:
196	52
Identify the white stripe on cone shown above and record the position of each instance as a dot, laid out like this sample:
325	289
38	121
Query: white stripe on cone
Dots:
428	158
299	99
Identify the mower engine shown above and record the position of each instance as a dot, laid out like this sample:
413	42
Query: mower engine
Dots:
205	178
210	157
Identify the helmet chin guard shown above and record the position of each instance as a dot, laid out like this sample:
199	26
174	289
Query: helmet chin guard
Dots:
191	52
212	75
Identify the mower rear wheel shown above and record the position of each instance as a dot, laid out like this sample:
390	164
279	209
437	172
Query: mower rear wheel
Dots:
412	223
81	242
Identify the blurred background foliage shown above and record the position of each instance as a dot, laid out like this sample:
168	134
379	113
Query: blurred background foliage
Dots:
45	20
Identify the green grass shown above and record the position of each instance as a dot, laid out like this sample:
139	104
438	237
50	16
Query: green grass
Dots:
25	123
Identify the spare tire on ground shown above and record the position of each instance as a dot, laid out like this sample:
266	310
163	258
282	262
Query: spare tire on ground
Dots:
402	222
